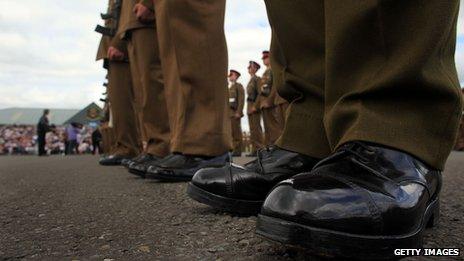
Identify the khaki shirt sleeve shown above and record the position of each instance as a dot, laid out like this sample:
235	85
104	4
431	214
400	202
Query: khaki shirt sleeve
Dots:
148	4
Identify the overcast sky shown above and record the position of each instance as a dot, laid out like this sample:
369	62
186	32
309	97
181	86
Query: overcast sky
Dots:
48	47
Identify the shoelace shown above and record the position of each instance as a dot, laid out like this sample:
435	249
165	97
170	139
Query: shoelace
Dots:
355	148
262	154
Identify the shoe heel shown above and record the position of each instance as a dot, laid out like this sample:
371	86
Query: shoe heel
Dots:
435	217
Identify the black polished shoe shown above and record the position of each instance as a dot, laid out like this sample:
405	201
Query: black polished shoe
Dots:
243	189
140	167
179	167
126	162
113	160
364	202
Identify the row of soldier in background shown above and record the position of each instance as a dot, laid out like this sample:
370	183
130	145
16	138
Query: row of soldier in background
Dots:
263	105
145	120
176	113
263	102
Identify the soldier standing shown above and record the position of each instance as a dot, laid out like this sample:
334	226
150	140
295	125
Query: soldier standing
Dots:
148	85
253	108
236	104
271	115
125	143
193	53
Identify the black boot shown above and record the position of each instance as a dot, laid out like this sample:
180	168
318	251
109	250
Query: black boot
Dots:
127	162
140	166
243	189
364	201
179	167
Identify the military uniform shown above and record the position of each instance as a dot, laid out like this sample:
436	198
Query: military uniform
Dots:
147	78
254	113
271	116
347	87
123	135
375	108
193	52
236	105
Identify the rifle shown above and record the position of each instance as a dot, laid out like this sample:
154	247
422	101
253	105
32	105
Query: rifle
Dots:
114	15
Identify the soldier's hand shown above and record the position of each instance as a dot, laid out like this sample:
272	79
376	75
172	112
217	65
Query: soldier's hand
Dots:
114	54
143	14
237	115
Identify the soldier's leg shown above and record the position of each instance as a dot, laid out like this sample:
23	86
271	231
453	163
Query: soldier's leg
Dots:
283	114
237	135
304	140
144	55
267	116
194	57
275	124
391	94
391	76
123	113
299	76
256	131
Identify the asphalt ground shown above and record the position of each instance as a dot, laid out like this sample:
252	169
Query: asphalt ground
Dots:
70	208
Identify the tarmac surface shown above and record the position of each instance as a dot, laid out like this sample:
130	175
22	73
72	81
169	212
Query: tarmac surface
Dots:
70	208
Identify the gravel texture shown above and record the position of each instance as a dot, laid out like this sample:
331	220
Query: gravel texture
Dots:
69	208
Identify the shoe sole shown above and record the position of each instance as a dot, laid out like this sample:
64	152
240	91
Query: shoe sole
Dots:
137	172
110	164
167	177
329	243
243	207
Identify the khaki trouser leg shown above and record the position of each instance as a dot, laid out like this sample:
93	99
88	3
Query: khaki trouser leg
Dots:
112	148
256	131
237	135
144	56
194	57
123	113
280	114
391	76
105	140
137	92
272	128
298	66
390	72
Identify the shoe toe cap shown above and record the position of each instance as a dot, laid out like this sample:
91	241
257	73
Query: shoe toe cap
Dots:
212	179
334	207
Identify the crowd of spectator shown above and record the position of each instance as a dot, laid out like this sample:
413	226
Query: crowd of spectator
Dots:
22	140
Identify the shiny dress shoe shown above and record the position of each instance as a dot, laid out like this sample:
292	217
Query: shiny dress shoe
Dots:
363	202
113	160
126	162
140	167
179	167
242	190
